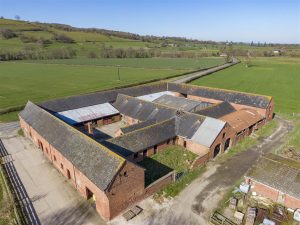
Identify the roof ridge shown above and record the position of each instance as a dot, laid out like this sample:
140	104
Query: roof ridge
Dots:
227	90
83	135
163	106
143	128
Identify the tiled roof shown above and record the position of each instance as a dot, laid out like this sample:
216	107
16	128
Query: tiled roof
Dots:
242	119
277	172
258	101
217	111
95	161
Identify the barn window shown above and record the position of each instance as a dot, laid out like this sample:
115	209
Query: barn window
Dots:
54	158
145	153
61	166
224	135
184	144
155	149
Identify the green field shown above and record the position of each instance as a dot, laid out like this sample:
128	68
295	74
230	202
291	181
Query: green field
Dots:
40	81
154	63
277	77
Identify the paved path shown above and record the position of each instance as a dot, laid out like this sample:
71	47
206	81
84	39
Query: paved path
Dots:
9	129
197	201
190	77
40	185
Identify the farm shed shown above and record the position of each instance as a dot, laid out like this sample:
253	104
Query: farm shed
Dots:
181	103
102	113
244	122
276	178
153	116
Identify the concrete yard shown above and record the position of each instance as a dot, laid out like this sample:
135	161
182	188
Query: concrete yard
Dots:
55	201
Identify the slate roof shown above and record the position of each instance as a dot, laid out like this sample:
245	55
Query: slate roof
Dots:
96	162
217	111
258	101
181	103
74	102
142	110
188	124
144	138
137	126
277	172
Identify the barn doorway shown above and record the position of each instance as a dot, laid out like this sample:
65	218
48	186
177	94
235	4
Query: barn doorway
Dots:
68	174
217	150
90	197
227	144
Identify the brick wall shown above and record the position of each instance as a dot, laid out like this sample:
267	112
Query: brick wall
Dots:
292	202
273	194
125	188
200	160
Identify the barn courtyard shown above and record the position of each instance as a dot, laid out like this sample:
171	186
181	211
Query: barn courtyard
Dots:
140	139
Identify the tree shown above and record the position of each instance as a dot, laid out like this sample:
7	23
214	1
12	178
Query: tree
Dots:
63	38
7	34
92	55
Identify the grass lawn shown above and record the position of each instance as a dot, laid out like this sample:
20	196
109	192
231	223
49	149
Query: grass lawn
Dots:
172	158
278	77
155	63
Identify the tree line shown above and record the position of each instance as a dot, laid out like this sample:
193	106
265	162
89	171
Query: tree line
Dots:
37	54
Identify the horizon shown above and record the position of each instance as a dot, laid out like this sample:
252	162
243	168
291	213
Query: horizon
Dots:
275	22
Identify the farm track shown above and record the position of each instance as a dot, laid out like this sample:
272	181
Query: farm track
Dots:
193	76
197	201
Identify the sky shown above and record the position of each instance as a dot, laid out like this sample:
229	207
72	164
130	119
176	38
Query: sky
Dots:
219	20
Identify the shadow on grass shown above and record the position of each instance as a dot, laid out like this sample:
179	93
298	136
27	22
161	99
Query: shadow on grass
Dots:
153	170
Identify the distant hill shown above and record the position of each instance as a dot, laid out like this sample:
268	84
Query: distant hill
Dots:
35	40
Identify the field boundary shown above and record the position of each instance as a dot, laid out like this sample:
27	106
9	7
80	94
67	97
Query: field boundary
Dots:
21	107
16	214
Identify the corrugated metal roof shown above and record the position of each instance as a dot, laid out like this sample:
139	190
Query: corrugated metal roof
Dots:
87	113
208	131
181	103
152	97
